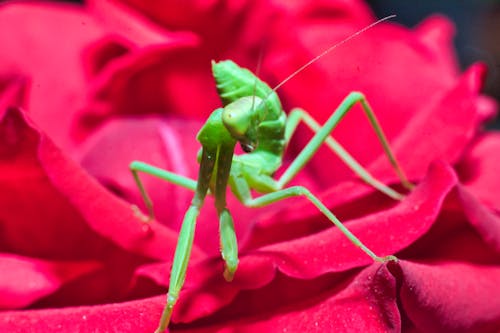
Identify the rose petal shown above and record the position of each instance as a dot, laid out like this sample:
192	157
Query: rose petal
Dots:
158	142
436	32
132	26
58	190
451	296
231	24
153	80
487	107
12	91
61	213
27	33
181	16
485	222
134	316
458	234
479	169
25	280
364	303
441	130
351	10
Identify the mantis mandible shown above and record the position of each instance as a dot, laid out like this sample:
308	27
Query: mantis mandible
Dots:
253	117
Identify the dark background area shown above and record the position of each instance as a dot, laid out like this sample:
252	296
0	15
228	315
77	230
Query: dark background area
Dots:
477	35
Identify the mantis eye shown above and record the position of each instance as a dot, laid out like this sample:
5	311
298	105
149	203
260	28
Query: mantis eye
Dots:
247	147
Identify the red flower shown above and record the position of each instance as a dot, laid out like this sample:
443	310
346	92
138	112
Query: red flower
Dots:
86	90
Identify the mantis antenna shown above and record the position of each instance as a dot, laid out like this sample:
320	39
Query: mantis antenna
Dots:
324	53
330	49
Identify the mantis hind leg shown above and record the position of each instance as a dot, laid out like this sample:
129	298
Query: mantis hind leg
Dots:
323	136
136	167
302	191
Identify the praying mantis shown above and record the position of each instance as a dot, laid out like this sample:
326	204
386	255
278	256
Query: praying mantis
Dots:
253	117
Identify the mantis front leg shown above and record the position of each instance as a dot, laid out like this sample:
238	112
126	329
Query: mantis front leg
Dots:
186	237
323	136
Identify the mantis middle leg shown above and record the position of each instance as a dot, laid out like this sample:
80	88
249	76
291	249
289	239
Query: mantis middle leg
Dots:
136	167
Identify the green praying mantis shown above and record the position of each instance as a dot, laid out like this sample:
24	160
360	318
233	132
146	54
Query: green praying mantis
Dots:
253	117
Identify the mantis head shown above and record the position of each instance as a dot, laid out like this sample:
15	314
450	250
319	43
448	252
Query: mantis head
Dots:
241	120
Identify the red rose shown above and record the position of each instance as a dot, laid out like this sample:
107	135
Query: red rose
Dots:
86	90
